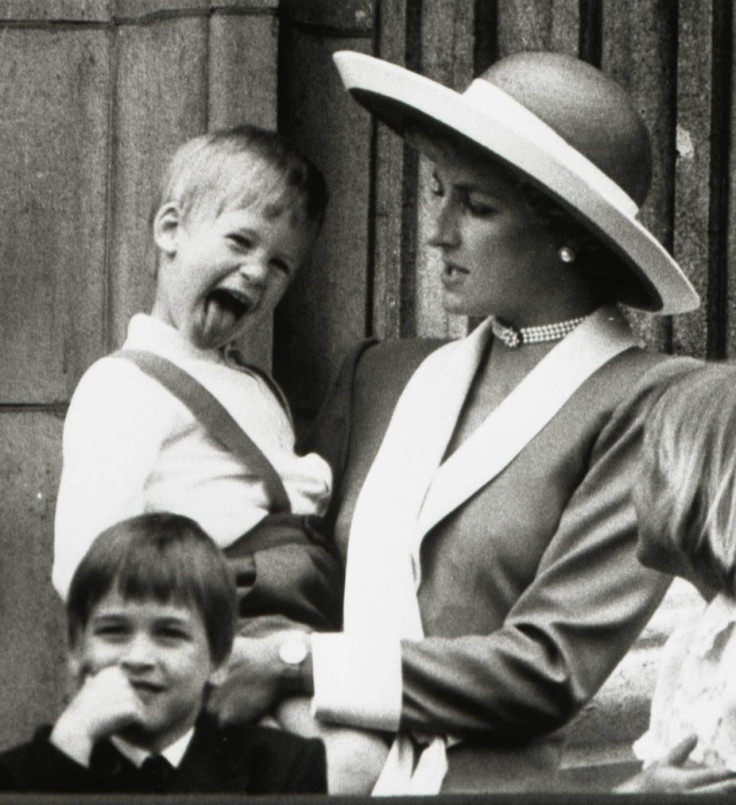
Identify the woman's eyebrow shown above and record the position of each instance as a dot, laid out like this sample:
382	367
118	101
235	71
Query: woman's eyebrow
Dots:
470	187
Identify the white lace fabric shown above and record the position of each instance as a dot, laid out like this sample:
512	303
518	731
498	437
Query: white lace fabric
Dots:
696	690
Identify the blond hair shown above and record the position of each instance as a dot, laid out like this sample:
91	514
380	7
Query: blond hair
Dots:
240	167
690	455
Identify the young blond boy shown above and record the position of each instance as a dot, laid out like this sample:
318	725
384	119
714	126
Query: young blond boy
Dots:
236	216
151	615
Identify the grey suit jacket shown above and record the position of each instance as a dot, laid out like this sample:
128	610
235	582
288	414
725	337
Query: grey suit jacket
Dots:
531	592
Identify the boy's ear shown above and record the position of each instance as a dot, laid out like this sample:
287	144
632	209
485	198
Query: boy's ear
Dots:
74	664
166	228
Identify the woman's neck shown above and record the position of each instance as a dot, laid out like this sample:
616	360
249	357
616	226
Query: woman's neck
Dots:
500	370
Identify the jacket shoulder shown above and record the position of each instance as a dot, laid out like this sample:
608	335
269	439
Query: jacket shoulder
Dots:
395	356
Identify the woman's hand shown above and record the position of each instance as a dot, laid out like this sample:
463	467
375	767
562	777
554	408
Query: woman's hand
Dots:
257	680
671	775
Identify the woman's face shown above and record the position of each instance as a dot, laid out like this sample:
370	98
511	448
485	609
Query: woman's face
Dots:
498	258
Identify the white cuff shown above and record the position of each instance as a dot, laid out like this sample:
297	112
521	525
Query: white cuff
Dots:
356	681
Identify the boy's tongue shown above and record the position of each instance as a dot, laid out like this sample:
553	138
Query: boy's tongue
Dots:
222	312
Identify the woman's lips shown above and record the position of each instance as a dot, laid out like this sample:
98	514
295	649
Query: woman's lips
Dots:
453	275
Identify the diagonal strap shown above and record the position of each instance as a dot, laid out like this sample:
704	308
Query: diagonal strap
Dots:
211	413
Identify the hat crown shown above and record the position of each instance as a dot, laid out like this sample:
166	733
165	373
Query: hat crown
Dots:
589	110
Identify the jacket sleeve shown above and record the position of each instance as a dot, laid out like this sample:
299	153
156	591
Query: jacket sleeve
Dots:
278	762
589	600
38	766
286	567
305	770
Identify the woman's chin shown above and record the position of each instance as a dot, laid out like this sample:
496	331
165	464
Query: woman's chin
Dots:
457	307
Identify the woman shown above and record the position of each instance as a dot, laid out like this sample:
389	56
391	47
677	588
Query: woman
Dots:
491	581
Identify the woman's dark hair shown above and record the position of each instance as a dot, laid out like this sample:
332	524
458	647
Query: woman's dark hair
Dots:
160	556
610	279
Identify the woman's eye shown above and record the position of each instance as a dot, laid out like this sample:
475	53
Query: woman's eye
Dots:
478	208
281	266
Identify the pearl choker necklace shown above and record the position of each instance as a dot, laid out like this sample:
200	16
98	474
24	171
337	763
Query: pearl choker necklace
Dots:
514	338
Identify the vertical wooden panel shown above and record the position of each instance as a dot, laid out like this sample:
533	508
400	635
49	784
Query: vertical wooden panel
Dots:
719	305
538	25
243	69
393	269
243	61
731	230
32	633
447	57
693	166
639	51
53	147
325	312
160	101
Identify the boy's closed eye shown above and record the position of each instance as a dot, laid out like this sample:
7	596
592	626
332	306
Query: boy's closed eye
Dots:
281	265
110	629
240	240
173	632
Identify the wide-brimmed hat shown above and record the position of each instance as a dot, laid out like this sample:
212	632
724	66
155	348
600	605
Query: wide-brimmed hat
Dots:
564	127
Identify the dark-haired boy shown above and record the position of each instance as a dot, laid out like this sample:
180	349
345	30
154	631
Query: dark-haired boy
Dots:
151	616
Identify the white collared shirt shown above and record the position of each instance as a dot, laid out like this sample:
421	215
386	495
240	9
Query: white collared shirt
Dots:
137	756
132	447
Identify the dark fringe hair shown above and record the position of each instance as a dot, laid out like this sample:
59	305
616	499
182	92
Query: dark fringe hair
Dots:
163	556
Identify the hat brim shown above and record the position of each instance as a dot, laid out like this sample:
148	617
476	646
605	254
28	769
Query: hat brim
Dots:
401	98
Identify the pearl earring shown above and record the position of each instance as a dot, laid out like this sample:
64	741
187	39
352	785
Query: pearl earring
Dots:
567	255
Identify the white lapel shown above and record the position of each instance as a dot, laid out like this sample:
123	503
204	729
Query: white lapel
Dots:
391	498
523	414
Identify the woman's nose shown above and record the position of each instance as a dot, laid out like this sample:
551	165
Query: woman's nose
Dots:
444	229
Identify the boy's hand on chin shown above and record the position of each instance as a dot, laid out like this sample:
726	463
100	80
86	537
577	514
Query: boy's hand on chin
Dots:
104	704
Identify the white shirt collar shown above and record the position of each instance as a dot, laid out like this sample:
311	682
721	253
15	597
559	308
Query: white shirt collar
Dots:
146	332
173	752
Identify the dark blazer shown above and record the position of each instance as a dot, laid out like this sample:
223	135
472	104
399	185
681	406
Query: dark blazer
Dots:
238	759
531	592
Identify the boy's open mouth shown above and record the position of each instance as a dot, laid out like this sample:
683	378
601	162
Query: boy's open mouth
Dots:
224	309
230	301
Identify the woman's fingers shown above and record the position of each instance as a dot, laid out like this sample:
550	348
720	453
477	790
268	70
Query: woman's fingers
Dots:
680	752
